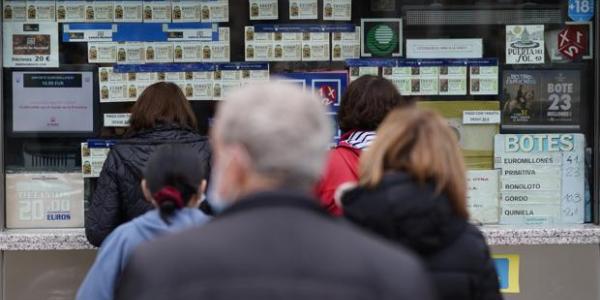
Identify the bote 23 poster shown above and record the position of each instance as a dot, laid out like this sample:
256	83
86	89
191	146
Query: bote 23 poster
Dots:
548	98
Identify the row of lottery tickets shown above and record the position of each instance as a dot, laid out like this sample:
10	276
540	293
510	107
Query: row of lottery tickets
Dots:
162	52
209	85
301	46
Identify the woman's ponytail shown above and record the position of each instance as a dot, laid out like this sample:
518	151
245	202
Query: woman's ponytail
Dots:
168	199
173	175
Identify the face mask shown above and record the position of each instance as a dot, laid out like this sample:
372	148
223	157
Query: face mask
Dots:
214	200
217	202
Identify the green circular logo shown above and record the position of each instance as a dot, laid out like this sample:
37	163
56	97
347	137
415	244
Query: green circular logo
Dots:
382	40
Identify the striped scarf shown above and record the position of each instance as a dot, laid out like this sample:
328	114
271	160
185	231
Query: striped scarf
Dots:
360	139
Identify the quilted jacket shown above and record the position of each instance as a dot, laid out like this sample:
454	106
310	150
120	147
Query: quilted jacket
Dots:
118	196
416	217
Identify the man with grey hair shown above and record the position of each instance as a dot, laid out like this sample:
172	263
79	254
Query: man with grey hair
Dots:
270	239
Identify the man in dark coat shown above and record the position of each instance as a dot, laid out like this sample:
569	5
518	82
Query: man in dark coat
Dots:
271	240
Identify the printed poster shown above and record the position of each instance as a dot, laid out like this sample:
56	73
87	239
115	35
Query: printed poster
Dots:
31	45
546	98
44	200
525	44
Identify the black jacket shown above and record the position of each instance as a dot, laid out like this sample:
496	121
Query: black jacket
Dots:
118	196
273	245
411	214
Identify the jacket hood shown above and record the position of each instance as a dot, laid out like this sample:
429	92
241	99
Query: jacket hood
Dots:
151	225
406	211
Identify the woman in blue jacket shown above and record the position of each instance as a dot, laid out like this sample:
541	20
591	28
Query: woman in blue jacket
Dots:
174	183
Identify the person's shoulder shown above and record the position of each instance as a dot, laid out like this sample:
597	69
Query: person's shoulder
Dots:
120	235
369	245
399	272
474	238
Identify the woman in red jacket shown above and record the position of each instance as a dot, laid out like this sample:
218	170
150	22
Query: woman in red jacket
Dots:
364	106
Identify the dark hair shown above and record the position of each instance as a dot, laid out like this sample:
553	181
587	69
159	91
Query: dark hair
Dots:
367	101
173	174
161	103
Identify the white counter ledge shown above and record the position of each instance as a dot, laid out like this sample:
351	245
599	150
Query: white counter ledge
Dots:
542	235
74	239
44	239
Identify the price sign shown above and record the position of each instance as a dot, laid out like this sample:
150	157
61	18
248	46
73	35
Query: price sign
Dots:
44	200
572	42
581	10
541	178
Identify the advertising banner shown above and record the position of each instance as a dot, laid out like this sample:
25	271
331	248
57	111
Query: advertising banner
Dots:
31	45
541	98
44	200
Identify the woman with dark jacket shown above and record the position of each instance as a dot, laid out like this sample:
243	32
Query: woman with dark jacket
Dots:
413	191
364	105
161	115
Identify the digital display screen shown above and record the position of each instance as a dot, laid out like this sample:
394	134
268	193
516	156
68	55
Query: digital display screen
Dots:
53	101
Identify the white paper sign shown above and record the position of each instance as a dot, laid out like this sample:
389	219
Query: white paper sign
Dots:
525	44
444	48
481	117
44	200
116	120
542	178
31	45
483	195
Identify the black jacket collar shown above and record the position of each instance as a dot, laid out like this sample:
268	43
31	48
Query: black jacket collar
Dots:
274	198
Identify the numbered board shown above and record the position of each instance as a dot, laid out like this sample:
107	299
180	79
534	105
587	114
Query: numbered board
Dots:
542	178
541	98
44	200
